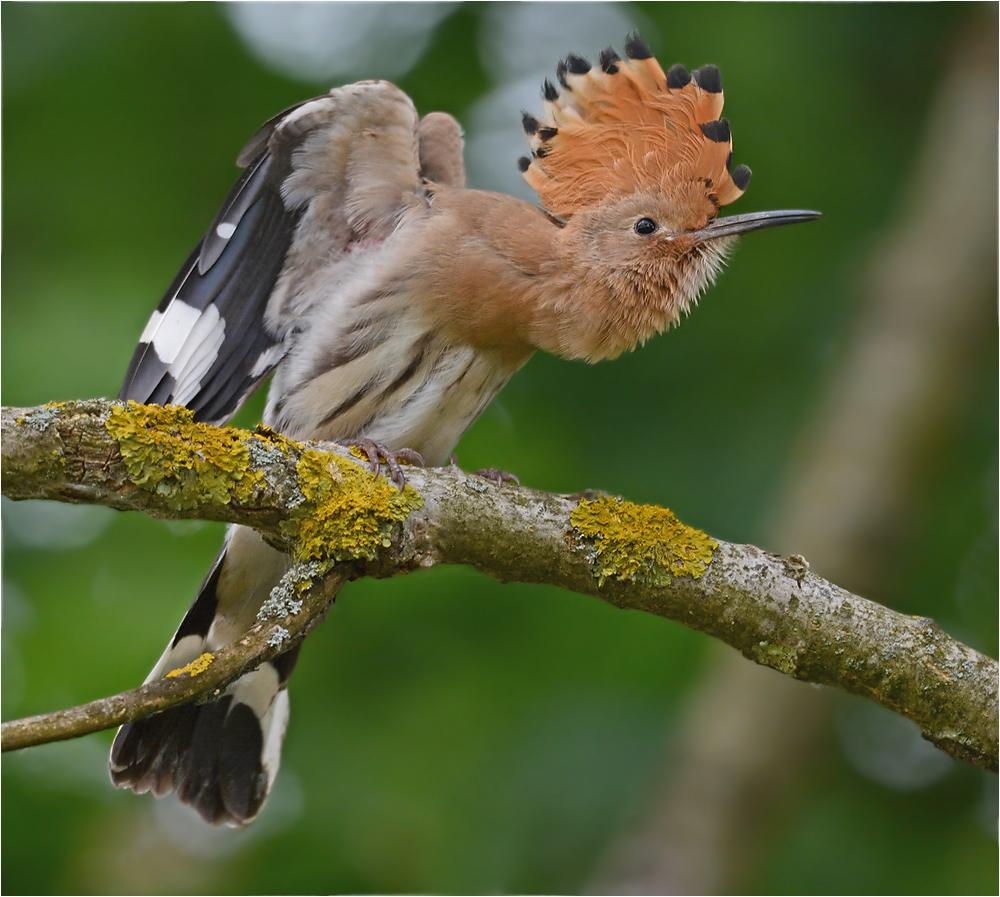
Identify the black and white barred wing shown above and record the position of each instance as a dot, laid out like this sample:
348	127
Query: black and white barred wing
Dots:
206	346
318	177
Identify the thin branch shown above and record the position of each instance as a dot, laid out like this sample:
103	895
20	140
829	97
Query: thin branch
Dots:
318	504
201	681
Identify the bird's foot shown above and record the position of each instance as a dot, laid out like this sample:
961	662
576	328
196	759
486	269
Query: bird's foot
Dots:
490	473
498	476
376	453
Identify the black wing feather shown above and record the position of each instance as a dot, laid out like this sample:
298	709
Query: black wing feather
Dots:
212	318
135	385
231	379
237	203
262	135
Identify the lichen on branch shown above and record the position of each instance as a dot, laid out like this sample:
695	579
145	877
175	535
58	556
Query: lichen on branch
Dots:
642	543
336	510
345	512
165	451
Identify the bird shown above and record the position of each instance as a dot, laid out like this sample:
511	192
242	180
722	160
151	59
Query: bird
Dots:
390	304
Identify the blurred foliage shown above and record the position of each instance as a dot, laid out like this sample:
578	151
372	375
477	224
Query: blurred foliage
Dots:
450	734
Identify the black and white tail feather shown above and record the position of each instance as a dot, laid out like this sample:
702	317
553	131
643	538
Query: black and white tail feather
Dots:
287	240
220	757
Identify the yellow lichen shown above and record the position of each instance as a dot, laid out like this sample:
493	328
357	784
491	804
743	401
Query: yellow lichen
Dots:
348	513
643	543
165	451
344	511
195	668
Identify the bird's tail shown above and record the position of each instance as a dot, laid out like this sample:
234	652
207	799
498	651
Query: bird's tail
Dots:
220	757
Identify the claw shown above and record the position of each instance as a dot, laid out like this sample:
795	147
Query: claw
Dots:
497	476
490	473
376	450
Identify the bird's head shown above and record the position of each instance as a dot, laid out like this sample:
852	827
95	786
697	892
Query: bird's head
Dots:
638	163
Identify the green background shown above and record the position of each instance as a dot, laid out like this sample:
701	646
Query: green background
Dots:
450	734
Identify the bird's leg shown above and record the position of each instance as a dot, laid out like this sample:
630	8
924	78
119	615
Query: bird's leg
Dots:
376	450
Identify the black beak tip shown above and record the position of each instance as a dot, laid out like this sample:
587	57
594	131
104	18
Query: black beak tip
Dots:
734	225
792	216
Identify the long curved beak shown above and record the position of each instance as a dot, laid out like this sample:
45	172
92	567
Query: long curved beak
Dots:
732	225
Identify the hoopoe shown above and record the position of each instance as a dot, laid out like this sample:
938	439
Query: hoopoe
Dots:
392	304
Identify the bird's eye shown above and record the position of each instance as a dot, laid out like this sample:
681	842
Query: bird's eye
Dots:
645	226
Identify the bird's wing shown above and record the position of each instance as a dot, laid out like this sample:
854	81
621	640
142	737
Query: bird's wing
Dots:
319	176
441	150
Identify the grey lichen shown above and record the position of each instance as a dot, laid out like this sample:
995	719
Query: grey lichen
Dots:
283	600
280	603
43	417
264	453
278	637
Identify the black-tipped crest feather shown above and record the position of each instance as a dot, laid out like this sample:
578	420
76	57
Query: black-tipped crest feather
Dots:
609	60
678	77
741	176
708	79
636	47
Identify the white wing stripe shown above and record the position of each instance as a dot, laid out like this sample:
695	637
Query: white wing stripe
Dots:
198	367
205	335
152	325
173	330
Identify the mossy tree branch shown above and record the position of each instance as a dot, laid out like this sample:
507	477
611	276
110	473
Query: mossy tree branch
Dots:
318	504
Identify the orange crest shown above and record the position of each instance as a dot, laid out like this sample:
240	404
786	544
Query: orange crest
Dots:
628	127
